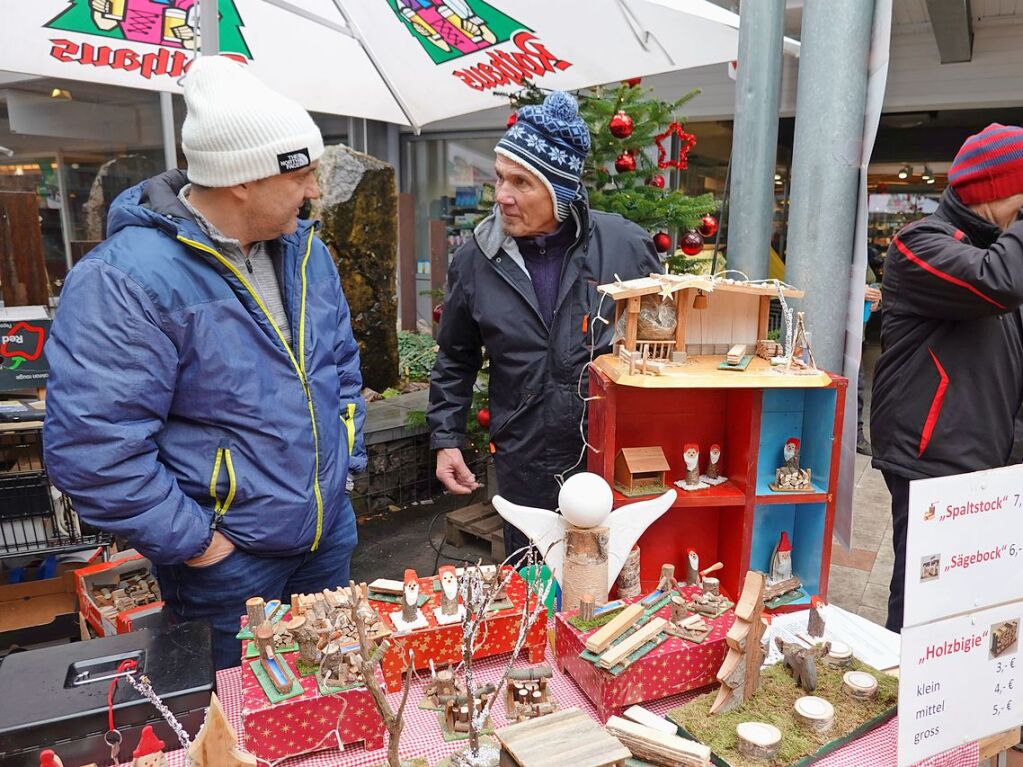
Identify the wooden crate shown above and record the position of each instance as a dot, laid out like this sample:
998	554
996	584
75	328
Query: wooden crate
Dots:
477	521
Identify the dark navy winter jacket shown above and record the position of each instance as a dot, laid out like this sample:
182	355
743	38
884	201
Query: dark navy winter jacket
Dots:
176	406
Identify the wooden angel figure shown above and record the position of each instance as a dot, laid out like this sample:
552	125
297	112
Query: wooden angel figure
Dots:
713	475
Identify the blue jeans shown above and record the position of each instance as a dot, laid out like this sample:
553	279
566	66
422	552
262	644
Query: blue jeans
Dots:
217	593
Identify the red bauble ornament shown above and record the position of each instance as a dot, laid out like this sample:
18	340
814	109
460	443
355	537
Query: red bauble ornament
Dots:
656	180
708	226
691	243
662	242
632	82
483	418
621	125
626	162
688	141
513	118
437	311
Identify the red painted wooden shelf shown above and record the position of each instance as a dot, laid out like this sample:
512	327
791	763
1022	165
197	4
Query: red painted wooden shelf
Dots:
727	494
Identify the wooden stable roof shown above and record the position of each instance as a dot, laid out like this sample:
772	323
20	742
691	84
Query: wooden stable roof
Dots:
640	460
657	283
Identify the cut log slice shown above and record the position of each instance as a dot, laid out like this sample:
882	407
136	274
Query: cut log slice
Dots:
815	713
859	685
839	656
758	740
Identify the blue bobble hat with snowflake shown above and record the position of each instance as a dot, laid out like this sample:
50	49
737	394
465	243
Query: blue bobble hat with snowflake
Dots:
552	142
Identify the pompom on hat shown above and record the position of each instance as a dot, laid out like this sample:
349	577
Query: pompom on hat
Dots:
989	165
551	141
238	130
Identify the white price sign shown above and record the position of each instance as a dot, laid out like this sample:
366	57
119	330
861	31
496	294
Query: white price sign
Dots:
965	544
960	680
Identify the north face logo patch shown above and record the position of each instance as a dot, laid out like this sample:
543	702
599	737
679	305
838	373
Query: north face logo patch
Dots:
290	161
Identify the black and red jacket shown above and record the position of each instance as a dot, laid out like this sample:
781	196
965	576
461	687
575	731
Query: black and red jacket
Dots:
949	383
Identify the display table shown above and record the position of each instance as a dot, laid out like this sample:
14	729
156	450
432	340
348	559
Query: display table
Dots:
422	731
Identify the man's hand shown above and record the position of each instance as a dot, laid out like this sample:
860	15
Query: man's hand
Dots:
453	473
873	295
217	551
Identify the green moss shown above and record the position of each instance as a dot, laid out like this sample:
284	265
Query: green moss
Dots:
599	620
773	703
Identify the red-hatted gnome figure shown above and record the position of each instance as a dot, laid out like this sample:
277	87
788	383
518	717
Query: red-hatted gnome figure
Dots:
789	477
150	750
691	458
713	474
450	610
49	759
410	617
781	560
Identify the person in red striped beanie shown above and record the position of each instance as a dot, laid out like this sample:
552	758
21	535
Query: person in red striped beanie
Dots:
948	386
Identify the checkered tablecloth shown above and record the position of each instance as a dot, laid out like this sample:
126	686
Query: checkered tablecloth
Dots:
422	736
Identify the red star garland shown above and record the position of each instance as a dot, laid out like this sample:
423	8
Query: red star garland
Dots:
688	142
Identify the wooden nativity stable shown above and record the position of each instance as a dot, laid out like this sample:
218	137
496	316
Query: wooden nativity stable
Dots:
641	471
687	396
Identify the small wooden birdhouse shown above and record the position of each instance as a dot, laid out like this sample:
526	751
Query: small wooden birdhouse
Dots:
640	470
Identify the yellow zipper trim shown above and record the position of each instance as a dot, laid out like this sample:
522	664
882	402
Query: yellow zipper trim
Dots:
299	368
213	479
229	464
348	419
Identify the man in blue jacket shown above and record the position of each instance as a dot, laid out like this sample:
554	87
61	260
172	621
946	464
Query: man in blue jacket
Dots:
204	399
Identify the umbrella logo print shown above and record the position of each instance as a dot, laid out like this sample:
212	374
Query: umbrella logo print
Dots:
22	343
166	23
450	29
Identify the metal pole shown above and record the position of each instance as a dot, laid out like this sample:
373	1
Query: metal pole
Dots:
755	139
209	28
65	211
170	151
831	103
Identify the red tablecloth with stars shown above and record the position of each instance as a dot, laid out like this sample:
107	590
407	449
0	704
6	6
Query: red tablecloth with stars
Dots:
422	735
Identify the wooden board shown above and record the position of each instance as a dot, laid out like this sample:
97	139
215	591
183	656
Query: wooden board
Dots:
701	372
566	737
600	641
658	747
621	650
643	286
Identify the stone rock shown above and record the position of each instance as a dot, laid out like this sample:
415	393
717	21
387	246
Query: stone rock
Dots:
359	211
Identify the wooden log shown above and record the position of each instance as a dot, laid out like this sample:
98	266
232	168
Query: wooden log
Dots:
839	656
781	587
603	638
649	719
859	685
255	610
758	740
628	579
657	747
585	568
586	607
530	674
814	713
679	611
667	581
630	644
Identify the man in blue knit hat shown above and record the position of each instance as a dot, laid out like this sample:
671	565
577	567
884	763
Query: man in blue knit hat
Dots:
525	288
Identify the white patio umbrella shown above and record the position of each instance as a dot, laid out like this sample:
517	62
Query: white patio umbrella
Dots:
410	62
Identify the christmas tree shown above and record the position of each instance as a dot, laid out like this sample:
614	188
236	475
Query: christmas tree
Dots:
621	177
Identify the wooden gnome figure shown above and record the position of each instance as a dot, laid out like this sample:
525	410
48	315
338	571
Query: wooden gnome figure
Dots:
410	598
149	752
691	458
789	477
693	569
448	590
713	475
410	617
815	622
781	560
48	758
791	454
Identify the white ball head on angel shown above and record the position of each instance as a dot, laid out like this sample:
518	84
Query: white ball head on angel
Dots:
586	522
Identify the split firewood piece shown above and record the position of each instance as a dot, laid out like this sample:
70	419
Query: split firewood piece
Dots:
814	713
758	740
603	638
859	685
656	747
740	673
648	718
736	636
630	644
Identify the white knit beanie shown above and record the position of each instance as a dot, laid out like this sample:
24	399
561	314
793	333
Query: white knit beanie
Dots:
237	130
